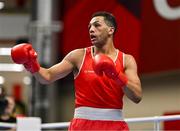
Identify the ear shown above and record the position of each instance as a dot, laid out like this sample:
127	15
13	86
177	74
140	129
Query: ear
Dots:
111	30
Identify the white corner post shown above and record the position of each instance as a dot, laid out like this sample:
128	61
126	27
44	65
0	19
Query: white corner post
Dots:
28	124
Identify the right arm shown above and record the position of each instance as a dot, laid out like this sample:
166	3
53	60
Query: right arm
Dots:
58	71
26	55
71	62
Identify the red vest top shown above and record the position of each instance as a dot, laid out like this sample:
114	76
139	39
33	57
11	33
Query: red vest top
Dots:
96	91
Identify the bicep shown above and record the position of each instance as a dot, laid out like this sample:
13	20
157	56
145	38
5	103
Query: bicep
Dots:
131	70
61	69
133	90
55	72
66	66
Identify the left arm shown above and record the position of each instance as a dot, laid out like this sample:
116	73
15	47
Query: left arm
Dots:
133	88
129	80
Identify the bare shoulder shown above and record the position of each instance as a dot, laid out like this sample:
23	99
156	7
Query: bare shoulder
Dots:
75	54
78	52
128	57
129	61
75	57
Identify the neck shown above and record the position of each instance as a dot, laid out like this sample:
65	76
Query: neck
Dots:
107	48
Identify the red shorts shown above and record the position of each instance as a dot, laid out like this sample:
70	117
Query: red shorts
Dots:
84	124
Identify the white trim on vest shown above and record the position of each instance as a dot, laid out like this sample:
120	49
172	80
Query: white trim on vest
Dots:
81	64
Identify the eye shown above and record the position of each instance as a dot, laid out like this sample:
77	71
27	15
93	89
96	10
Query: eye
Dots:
96	24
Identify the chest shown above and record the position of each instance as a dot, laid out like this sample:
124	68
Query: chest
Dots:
87	72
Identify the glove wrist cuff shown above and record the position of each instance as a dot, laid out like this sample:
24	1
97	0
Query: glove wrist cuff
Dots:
35	67
121	80
32	67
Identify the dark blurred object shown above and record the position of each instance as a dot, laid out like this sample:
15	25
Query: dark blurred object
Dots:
21	3
3	104
7	107
2	91
3	101
22	40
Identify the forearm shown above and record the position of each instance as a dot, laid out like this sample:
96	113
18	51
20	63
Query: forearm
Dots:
58	71
133	91
43	76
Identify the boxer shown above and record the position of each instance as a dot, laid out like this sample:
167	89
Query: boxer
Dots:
102	76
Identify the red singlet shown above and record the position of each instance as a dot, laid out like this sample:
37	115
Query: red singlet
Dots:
96	91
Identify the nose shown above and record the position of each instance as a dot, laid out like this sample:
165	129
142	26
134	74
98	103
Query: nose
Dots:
91	29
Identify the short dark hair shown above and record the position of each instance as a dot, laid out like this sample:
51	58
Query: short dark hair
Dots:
108	18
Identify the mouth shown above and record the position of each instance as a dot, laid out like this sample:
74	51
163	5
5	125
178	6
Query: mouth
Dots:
92	37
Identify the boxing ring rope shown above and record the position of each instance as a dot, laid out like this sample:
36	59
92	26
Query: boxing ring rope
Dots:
61	125
3	124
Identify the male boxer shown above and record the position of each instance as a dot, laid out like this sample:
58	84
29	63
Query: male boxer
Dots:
102	75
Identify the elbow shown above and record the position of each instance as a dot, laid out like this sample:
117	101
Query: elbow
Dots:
135	96
46	81
137	100
138	96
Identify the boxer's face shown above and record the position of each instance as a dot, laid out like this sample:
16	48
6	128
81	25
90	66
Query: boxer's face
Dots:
99	31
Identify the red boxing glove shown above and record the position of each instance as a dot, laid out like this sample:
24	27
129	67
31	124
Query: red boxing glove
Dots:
104	64
26	55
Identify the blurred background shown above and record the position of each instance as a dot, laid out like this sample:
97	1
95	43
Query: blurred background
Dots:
147	29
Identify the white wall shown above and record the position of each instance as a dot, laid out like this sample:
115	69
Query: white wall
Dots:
160	94
13	26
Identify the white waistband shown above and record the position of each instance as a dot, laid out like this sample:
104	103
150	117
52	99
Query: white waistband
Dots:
91	113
